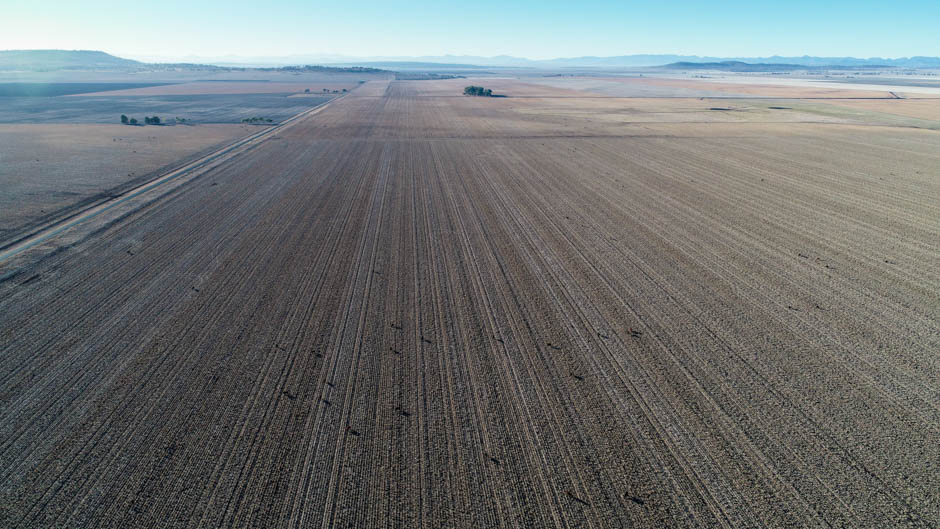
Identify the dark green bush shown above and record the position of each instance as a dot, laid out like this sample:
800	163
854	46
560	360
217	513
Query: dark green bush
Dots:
477	91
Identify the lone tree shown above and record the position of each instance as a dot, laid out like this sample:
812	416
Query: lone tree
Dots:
124	119
477	91
133	121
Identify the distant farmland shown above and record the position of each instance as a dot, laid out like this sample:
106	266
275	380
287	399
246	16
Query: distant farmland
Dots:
51	170
213	108
560	308
62	89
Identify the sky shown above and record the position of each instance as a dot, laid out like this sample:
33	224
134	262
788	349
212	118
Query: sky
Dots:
533	29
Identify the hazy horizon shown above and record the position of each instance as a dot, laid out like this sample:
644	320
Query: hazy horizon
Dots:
170	58
530	30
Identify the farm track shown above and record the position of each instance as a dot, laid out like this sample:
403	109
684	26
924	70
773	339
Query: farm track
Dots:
417	311
61	221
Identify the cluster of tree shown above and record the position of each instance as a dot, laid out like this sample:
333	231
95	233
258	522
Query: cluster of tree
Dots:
477	91
147	120
326	91
427	76
257	120
318	68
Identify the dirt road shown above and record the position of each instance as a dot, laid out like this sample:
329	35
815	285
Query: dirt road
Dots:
412	311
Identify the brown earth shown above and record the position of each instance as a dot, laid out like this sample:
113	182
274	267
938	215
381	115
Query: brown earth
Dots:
415	311
651	86
500	85
229	87
768	90
47	170
914	108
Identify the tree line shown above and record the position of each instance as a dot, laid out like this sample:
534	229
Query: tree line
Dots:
149	120
477	91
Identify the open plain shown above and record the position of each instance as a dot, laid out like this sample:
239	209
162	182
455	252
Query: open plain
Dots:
551	309
51	170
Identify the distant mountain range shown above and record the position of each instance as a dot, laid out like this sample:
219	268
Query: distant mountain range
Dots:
54	60
40	60
739	66
804	61
85	60
620	61
49	60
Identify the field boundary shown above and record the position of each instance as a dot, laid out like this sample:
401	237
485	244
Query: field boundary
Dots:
54	227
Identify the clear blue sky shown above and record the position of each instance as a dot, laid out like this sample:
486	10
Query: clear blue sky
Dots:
534	29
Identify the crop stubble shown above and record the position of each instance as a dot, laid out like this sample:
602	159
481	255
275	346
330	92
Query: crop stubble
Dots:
414	311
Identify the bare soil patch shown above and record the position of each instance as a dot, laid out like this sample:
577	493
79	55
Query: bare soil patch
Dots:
678	87
231	87
763	90
194	108
915	108
48	170
418	311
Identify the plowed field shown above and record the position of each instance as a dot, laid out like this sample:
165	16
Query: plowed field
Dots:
419	311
